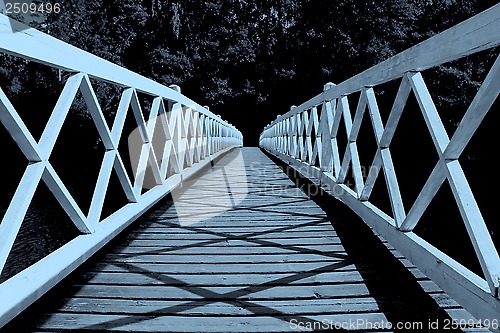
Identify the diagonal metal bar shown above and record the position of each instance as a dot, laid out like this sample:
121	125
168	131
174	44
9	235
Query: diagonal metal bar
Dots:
431	187
14	216
96	112
121	115
142	165
166	159
474	222
351	156
396	112
373	109
13	123
101	187
358	116
156	108
429	111
65	199
337	115
325	121
346	161
123	178
58	116
477	110
375	168
139	117
476	227
153	164
391	180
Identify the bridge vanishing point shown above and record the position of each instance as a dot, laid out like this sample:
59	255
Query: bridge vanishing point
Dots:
217	237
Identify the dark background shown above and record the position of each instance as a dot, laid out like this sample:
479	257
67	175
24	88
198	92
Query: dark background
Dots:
252	60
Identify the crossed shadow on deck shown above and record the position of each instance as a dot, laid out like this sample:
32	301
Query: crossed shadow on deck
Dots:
231	298
289	226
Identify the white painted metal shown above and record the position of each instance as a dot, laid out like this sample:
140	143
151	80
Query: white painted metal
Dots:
479	296
191	133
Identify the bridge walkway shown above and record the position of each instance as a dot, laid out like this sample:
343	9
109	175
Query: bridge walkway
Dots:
240	248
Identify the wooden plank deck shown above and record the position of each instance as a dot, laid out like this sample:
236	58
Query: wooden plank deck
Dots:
239	249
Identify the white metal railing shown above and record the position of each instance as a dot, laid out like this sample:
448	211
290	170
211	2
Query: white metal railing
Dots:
193	137
321	117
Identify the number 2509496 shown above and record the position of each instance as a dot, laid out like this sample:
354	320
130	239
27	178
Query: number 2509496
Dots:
32	8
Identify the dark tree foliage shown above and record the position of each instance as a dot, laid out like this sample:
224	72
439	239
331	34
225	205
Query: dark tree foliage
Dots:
251	60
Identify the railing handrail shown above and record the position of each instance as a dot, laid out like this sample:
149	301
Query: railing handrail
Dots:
192	137
316	154
31	44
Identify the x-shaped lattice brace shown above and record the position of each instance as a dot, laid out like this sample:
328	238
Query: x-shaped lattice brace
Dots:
382	160
448	166
40	168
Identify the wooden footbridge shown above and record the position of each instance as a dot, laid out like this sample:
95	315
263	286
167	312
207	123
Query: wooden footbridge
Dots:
220	238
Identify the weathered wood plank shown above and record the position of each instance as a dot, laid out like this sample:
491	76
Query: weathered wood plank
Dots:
274	213
221	249
164	307
213	279
445	301
321	226
187	292
236	242
212	324
221	258
234	269
206	235
272	222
